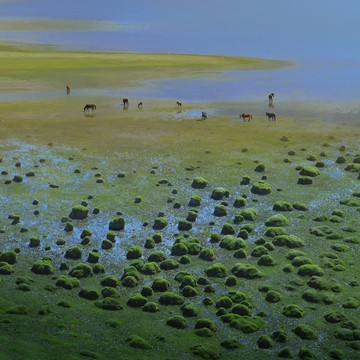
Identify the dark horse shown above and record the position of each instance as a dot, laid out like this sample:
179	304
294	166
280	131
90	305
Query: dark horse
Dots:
271	116
179	104
203	115
89	107
126	102
271	98
140	105
246	116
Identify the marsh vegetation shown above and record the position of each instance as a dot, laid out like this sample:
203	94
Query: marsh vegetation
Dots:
204	239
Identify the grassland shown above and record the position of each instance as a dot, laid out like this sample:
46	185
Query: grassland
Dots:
141	165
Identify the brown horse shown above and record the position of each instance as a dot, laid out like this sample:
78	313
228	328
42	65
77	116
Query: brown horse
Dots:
68	89
89	107
271	116
126	102
245	116
271	98
179	104
203	115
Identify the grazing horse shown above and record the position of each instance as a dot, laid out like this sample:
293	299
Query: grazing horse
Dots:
89	107
271	116
126	102
68	89
271	98
245	116
179	104
140	105
203	115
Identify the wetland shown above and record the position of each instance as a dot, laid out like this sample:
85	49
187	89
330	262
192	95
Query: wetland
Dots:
130	233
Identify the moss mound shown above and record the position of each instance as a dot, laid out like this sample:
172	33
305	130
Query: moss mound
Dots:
220	210
305	180
79	212
249	214
9	257
305	332
310	171
34	241
156	256
310	270
136	300
227	229
110	280
67	283
160	223
169	264
131	271
73	252
137	342
134	252
246	271
216	270
259	251
280	335
274	231
231	344
184	225
273	296
206	351
199	183
109	303
293	311
117	224
178	322
241	309
81	271
207	254
190	310
160	284
261	188
151	307
206	323
195	201
306	354
265	342
43	267
277	220
171	298
150	268
285	353
93	257
240	202
230	242
246	324
334	317
219	193
89	294
224	302
283	206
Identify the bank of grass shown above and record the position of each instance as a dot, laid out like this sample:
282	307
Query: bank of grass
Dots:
44	68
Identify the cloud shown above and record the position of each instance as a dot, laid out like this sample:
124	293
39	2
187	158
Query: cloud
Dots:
46	24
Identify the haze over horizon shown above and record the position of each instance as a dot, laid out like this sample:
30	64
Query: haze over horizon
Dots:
319	29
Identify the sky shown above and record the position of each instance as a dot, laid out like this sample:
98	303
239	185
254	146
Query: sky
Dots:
321	29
